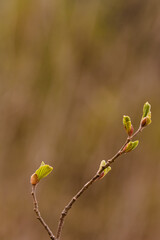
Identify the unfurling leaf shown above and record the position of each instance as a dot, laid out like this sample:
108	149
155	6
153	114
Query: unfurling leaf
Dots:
40	173
130	146
146	109
105	171
43	170
146	117
128	125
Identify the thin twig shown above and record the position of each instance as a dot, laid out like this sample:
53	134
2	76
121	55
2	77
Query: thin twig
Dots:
89	183
68	207
36	210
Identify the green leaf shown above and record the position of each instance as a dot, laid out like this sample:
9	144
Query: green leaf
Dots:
42	164
128	125
126	119
146	109
130	146
102	164
43	170
135	144
106	170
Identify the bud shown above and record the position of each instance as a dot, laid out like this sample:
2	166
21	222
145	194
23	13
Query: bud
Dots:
145	121
128	125
146	109
146	118
34	179
105	171
130	146
40	173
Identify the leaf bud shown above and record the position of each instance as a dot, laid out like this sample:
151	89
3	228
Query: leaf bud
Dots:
105	171
146	117
128	125
130	146
34	179
40	173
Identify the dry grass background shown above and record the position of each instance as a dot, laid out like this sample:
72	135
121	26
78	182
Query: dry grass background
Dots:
69	70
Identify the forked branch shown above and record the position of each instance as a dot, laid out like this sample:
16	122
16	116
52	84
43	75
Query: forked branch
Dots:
89	183
45	169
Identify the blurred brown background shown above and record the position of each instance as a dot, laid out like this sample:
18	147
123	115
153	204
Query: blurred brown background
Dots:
69	70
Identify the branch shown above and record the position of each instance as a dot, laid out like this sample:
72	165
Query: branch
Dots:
104	168
73	200
90	182
37	212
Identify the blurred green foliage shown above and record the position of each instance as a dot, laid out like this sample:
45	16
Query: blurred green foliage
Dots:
69	70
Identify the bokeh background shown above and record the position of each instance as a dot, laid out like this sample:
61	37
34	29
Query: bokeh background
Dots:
69	70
